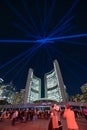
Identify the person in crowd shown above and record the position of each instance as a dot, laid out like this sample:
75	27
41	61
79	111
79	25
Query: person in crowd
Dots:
0	116
31	115
35	115
14	117
84	111
55	123
3	114
70	118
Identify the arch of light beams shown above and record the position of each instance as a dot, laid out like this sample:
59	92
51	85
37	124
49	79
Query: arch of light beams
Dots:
60	28
46	40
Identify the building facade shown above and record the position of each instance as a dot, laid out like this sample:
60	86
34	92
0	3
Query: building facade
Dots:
53	83
7	92
84	88
54	86
33	88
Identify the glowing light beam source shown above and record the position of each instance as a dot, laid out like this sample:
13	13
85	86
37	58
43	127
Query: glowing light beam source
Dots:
45	40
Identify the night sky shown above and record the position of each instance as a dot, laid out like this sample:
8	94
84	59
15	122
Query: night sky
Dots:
33	33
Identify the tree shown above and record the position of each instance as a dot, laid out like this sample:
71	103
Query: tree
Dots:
3	102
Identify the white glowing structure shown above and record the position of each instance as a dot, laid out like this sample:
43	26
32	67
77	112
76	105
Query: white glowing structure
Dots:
54	86
33	88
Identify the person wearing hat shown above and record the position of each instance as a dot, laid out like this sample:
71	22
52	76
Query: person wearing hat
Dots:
70	118
57	111
55	122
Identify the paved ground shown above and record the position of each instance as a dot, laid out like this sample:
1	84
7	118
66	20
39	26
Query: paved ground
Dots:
34	125
82	122
41	124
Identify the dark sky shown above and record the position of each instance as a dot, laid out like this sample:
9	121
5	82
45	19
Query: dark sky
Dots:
47	25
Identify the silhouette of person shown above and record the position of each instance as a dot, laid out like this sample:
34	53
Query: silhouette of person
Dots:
70	118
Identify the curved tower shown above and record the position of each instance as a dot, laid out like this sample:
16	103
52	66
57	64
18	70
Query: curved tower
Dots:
54	86
33	88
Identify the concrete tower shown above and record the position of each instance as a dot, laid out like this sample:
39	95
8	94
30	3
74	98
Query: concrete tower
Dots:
33	88
54	86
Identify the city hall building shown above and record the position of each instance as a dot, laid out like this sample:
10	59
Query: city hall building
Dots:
53	86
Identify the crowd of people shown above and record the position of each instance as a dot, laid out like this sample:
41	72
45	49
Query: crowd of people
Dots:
54	116
23	115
